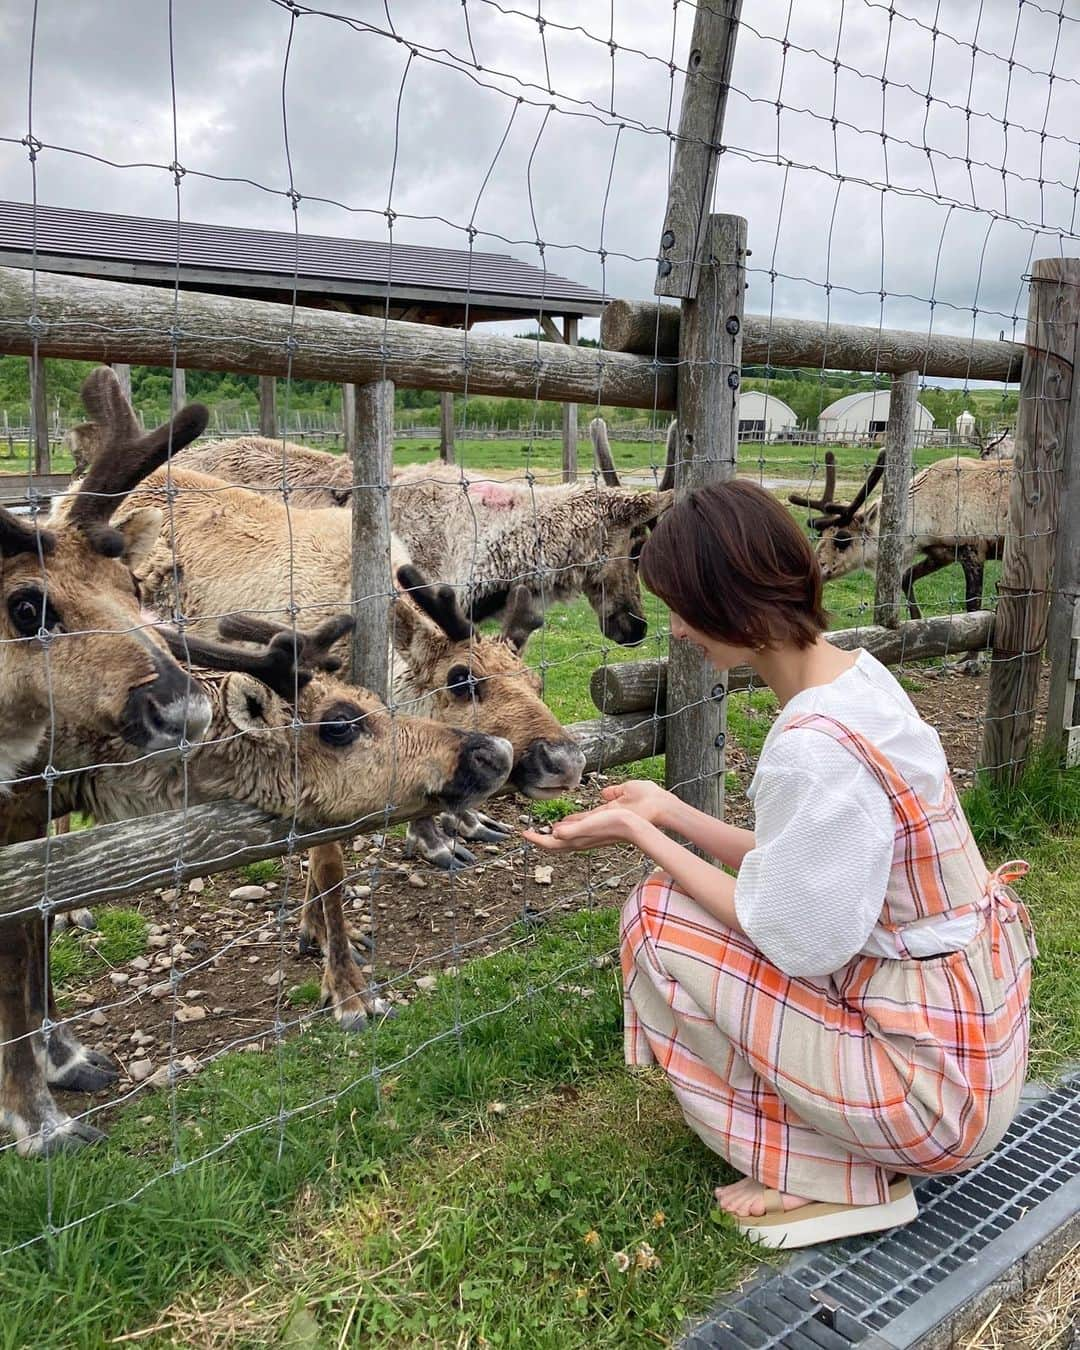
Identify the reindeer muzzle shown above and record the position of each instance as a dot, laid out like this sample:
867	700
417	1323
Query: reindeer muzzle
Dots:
483	766
167	712
549	768
625	627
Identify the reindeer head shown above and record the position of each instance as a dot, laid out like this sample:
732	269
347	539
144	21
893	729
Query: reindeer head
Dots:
289	737
74	646
473	681
848	534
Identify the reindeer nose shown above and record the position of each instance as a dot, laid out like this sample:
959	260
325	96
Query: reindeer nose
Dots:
626	628
548	768
482	768
161	715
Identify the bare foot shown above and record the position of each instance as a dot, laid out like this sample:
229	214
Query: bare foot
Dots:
746	1198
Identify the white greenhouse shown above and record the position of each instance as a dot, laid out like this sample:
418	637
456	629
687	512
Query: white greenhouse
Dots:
763	417
865	417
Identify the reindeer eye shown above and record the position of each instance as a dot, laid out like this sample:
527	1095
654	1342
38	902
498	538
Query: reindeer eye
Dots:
30	613
342	725
462	683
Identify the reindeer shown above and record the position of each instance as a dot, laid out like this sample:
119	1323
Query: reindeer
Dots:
283	736
560	541
957	512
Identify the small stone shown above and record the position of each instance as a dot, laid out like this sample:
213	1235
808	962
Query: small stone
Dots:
450	970
154	929
194	993
542	875
188	931
140	963
491	848
190	1013
515	889
139	981
119	978
169	896
85	1000
427	983
481	914
156	941
97	1018
196	886
613	883
139	1070
274	979
141	1038
253	960
249	893
146	1120
160	991
361	892
416	880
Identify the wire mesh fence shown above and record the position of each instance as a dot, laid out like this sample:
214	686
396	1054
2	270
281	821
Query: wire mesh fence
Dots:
902	169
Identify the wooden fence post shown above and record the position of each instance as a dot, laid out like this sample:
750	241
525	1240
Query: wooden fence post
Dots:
179	388
268	406
569	413
372	584
1042	426
39	413
122	371
710	356
893	519
1063	638
348	418
446	428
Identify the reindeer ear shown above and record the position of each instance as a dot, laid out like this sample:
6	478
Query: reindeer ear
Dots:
139	531
523	617
250	706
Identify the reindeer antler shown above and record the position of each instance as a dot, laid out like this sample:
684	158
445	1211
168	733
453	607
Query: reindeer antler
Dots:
285	663
125	456
828	492
439	602
667	482
602	451
839	513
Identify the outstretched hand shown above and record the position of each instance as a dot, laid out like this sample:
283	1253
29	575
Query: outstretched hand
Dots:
611	823
640	795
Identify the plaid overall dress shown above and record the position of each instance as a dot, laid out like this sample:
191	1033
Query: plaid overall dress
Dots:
822	1087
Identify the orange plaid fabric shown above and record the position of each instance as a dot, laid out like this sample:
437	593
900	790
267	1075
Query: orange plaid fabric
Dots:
824	1086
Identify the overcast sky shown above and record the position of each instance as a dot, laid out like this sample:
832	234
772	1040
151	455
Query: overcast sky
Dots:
414	124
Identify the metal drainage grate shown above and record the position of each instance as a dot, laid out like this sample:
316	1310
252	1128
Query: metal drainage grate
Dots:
891	1290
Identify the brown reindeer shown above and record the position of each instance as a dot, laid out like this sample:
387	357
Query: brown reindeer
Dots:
286	737
78	661
235	550
957	511
560	541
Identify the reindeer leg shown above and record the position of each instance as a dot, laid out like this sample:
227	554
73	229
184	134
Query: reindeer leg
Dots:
27	1109
343	987
973	579
428	840
70	1064
933	562
313	940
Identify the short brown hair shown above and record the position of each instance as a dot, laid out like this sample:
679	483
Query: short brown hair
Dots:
731	561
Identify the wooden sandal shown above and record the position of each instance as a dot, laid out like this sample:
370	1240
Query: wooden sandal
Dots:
819	1222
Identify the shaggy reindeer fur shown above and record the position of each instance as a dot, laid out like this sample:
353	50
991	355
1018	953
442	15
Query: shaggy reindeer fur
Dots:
957	510
481	536
349	758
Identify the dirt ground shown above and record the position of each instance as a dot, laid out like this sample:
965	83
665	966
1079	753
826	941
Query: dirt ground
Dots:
238	960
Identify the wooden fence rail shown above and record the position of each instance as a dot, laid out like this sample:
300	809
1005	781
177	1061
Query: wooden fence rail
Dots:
639	686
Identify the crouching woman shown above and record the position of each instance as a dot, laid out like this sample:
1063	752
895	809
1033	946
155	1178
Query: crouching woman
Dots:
850	1008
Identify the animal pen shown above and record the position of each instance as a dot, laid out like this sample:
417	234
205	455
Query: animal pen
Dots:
684	353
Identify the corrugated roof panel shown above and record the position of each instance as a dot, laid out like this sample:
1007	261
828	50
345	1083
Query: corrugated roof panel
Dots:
59	231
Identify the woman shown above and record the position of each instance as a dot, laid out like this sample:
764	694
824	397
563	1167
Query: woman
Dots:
850	1008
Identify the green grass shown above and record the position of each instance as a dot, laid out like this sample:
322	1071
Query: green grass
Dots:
555	808
190	1228
266	869
75	956
1020	815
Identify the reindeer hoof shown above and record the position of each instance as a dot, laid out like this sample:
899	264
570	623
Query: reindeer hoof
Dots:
350	1019
308	946
89	1072
55	1137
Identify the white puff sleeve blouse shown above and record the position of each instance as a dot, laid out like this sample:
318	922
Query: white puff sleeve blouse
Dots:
809	894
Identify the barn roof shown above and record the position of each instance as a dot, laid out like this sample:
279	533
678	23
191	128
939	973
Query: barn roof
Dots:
777	404
436	283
